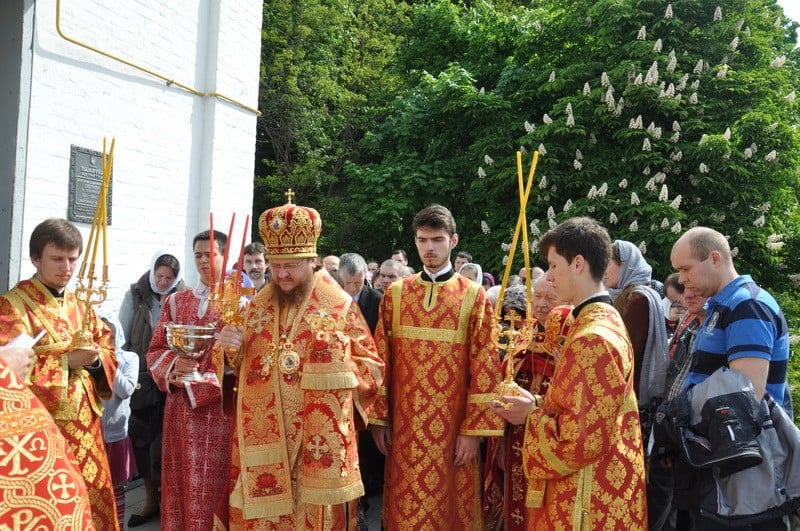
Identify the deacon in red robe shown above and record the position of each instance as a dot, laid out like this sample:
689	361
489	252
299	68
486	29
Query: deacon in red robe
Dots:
435	335
68	381
582	451
196	441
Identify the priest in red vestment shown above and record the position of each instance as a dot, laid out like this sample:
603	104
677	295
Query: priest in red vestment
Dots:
42	487
69	382
308	373
196	441
505	484
582	451
434	334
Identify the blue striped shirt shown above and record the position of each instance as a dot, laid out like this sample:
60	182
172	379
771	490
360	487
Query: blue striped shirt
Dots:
743	321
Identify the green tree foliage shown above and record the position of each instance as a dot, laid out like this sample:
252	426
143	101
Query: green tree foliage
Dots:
649	118
324	81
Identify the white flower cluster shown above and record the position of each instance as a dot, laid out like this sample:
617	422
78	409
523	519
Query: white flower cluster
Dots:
568	205
734	43
542	151
634	226
642	34
718	14
775	242
652	74
485	227
668	11
676	228
552	76
586	89
772	156
676	203
543	182
634	199
623	183
529	127
551	213
613	219
488	160
535	228
759	222
778	62
722	72
546	119
663	195
643	247
481	172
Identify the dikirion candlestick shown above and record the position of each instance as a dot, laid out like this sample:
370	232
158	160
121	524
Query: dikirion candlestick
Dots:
87	291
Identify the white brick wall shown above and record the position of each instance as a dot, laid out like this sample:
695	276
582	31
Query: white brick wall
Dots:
177	154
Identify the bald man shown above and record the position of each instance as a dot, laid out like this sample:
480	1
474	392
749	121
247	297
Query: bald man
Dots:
743	328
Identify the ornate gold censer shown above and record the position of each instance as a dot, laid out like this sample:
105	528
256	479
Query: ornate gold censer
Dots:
87	291
520	332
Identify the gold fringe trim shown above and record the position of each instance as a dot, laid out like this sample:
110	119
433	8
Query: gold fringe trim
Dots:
483	398
478	433
340	380
318	496
535	497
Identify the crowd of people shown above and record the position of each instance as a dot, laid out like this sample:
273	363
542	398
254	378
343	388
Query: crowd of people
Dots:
346	377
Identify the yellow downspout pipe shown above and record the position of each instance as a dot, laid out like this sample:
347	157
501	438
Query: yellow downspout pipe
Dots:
169	81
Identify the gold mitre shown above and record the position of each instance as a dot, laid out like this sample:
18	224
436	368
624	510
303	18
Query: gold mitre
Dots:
290	231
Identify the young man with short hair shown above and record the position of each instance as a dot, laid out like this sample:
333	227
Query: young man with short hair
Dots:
582	451
435	335
68	381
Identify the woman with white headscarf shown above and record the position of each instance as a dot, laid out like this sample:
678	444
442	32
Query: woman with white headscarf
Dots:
139	312
472	271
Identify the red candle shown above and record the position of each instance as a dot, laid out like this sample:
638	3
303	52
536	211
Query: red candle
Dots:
225	258
212	248
241	250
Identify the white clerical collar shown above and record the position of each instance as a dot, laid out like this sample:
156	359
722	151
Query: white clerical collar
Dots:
434	276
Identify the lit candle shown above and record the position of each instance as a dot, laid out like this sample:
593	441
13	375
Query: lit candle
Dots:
241	250
212	247
225	258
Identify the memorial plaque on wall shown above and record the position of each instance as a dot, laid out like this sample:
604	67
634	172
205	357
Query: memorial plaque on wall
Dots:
85	180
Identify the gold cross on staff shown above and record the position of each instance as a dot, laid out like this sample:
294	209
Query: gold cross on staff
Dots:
289	195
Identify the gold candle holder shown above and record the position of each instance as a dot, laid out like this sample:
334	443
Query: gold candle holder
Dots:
520	332
87	292
512	340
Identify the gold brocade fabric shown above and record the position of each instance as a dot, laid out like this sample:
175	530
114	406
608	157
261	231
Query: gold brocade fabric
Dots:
295	461
71	396
441	372
583	448
40	484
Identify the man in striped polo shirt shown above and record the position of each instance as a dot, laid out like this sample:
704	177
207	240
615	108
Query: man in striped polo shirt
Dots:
743	328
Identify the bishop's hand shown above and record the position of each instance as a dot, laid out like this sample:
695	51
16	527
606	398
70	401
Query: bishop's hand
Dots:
515	409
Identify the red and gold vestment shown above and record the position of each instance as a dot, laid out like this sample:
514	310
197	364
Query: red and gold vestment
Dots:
295	457
40	484
196	441
583	448
441	373
72	396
